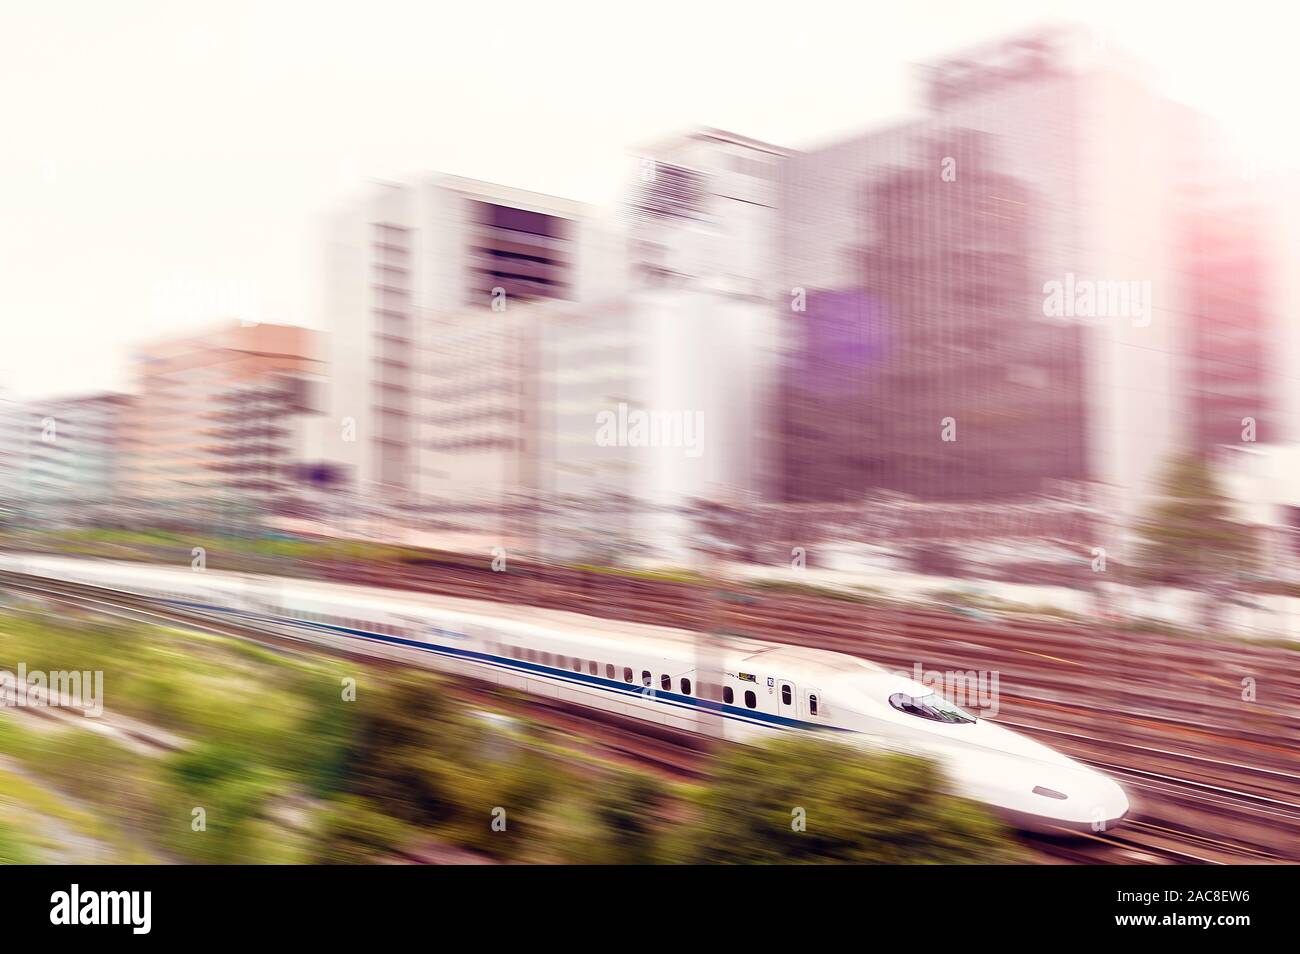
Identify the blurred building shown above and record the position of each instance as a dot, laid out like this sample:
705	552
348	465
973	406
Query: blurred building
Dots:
996	290
226	426
1229	324
72	459
702	213
12	439
436	288
495	260
370	270
267	448
656	398
937	323
1245	358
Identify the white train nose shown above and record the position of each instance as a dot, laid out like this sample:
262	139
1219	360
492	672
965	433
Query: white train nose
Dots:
1044	797
1080	800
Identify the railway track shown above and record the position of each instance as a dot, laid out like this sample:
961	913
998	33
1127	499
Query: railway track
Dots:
1210	779
673	754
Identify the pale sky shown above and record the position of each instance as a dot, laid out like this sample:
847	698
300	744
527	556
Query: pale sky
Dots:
155	149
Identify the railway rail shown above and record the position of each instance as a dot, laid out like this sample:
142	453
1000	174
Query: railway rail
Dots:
1213	779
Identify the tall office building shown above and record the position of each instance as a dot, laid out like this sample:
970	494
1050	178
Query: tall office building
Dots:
1232	388
494	260
436	289
1009	264
656	397
937	325
370	318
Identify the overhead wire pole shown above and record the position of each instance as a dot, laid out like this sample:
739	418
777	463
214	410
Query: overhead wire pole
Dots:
709	644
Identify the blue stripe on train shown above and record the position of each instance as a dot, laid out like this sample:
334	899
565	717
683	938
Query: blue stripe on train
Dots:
751	716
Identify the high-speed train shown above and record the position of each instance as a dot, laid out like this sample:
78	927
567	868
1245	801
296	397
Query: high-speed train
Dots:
753	688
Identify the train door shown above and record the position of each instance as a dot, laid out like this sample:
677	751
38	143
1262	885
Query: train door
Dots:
786	699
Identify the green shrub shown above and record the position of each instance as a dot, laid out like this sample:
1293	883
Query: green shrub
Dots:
353	831
619	819
853	806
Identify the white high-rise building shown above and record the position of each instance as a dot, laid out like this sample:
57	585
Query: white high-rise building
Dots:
436	287
654	399
370	317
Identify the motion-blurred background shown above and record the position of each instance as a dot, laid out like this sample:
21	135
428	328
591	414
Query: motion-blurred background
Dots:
997	350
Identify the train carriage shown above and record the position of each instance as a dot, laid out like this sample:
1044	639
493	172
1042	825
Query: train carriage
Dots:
742	690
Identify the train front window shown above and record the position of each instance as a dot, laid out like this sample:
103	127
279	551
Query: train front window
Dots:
932	706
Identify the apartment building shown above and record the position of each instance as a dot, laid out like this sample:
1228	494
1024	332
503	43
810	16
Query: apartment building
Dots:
221	423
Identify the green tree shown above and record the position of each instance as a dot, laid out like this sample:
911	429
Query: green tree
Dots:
617	819
403	756
1191	537
352	831
808	800
421	758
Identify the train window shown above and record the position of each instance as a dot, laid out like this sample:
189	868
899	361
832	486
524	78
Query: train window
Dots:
546	659
666	682
686	686
577	664
727	695
592	667
645	677
609	670
627	673
812	703
932	706
751	700
785	694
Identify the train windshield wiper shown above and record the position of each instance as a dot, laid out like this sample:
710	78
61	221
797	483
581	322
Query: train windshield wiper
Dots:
933	706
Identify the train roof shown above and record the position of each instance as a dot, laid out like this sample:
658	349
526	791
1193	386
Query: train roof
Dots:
824	665
398	601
